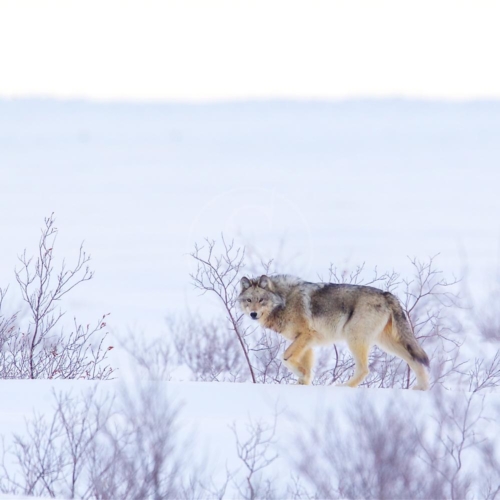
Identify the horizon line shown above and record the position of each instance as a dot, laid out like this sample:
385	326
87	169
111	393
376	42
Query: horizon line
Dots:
250	100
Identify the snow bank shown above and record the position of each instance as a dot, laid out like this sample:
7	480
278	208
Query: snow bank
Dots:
210	410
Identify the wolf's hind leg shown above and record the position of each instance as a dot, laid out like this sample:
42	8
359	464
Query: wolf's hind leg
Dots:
392	346
306	363
298	358
360	351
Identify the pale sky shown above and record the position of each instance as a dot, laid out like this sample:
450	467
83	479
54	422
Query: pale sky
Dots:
224	50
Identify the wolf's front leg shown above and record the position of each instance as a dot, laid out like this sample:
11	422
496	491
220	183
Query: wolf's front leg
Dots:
299	358
360	351
306	363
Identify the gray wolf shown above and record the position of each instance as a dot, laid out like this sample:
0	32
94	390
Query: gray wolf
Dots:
312	314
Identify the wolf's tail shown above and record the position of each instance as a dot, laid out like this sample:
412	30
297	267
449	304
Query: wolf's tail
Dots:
402	332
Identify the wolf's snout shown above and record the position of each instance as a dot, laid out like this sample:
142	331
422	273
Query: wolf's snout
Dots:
253	315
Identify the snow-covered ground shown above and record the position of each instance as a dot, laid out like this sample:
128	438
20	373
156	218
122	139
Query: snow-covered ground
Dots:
210	411
346	182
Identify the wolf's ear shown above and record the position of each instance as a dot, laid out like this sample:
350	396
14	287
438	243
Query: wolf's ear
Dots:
244	283
265	282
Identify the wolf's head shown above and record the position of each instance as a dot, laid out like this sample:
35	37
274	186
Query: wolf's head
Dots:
258	297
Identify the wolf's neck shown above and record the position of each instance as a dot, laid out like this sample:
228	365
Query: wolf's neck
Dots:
276	319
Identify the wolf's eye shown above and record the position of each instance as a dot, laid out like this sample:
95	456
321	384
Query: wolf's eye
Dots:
249	300
260	301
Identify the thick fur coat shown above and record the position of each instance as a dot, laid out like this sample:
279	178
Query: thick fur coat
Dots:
312	314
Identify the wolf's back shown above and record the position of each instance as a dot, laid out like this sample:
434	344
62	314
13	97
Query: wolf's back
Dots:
403	331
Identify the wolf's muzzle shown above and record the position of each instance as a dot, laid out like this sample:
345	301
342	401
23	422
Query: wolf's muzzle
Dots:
253	315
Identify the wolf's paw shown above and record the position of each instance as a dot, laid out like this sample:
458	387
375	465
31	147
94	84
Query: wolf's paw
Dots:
304	381
299	371
419	387
345	384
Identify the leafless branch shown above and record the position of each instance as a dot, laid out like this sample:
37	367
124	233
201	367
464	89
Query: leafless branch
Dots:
39	347
218	274
256	454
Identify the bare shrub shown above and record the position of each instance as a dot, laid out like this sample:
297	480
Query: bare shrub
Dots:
257	450
8	336
333	367
387	454
153	357
266	348
94	447
37	346
485	374
486	316
137	455
216	358
256	453
457	433
204	347
373	458
219	275
50	459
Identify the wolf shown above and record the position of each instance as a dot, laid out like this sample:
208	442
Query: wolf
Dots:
313	314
